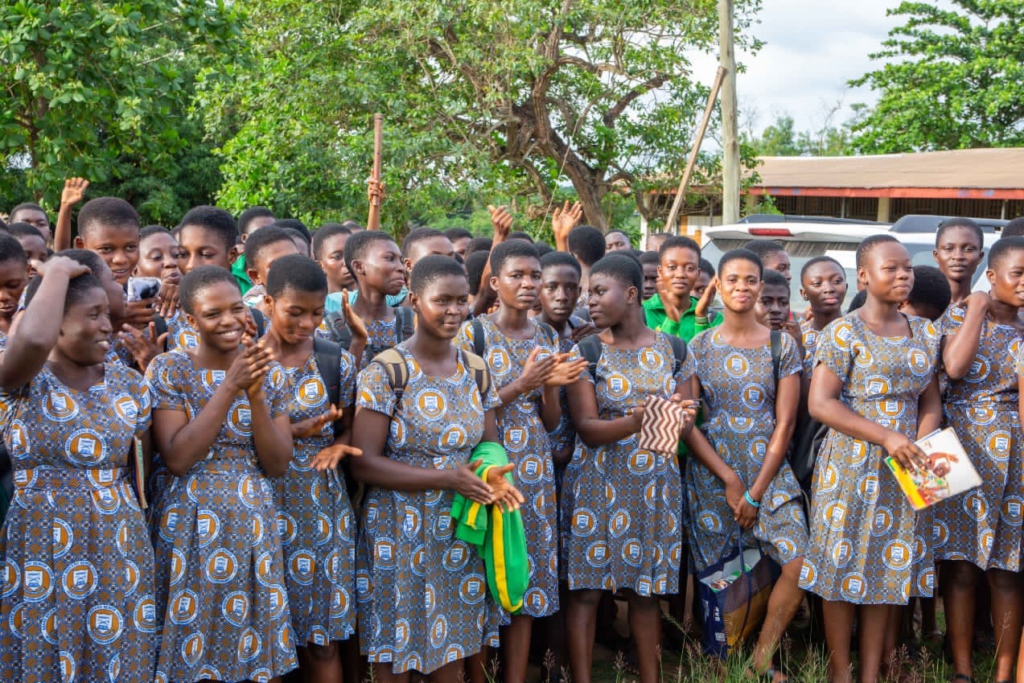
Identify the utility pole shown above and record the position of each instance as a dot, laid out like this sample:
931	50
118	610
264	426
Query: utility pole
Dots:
730	140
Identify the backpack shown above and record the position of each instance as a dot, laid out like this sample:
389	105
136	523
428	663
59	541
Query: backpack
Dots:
328	359
398	376
341	334
591	348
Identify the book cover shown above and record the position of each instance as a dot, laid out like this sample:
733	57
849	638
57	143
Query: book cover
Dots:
949	471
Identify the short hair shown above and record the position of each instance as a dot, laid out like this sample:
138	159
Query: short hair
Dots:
1002	248
151	230
775	279
432	268
931	290
859	299
26	206
741	255
107	211
11	249
250	214
293	233
707	267
560	258
660	235
811	262
520	235
213	219
89	259
202	278
78	287
297	272
650	258
457	234
1014	228
475	264
868	245
354	226
625	234
508	250
959	222
260	240
479	244
543	248
763	247
358	243
20	229
586	243
326	231
293	224
624	268
416	236
678	242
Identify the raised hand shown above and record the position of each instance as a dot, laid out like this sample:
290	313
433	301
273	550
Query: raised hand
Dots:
706	299
564	219
249	367
140	313
313	426
168	298
74	191
536	373
375	190
352	320
144	346
501	221
60	264
566	372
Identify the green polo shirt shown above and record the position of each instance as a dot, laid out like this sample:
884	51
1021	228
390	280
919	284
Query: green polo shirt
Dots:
238	270
688	326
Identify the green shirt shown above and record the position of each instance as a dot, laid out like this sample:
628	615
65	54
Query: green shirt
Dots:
688	326
238	270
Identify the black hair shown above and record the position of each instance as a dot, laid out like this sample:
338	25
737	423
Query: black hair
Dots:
151	230
297	272
475	264
775	279
586	243
214	220
11	249
104	211
678	242
29	206
1002	247
432	268
650	258
931	290
622	267
821	259
479	244
959	222
78	287
202	278
741	255
89	259
294	224
860	298
20	229
520	235
1014	228
508	250
457	234
354	226
418	235
293	233
359	242
560	258
625	234
250	214
260	240
868	245
707	267
763	247
543	248
327	230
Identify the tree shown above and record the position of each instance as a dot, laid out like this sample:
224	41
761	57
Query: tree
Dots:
101	89
951	79
779	139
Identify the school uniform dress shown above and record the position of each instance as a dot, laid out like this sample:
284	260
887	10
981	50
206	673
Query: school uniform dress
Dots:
739	389
220	581
381	335
984	525
422	593
181	335
809	338
867	545
621	522
564	436
77	599
529	449
314	516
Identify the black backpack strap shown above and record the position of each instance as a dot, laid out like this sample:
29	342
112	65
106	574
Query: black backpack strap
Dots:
394	365
261	322
160	324
590	348
328	359
776	341
339	330
679	352
478	337
405	323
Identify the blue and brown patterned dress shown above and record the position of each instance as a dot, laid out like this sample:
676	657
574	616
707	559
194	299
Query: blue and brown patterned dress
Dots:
314	516
984	525
220	585
621	522
423	600
529	449
867	544
809	338
77	602
738	388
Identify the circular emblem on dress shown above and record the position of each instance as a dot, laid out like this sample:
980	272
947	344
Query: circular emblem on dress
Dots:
537	600
867	488
401	634
498	361
583	522
104	624
249	645
710	520
919	363
431	404
192	648
286	527
11	577
897	555
999	445
19	439
208	672
632	552
247	491
301	567
235	608
438	631
384	553
221	566
979	370
835	515
853	586
736	365
240	418
49	625
940	533
278	600
310	392
882	521
617	387
265	569
1012	510
84	447
597	554
531	469
456	557
650	360
975	506
472	589
207	527
131	576
876	387
515	439
753	396
59	406
186	339
63	537
184	607
619	523
926	581
841	552
144	615
67	666
981	414
37	580
127	409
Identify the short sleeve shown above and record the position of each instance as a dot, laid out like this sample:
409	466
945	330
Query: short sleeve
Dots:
687	369
574	355
490	401
834	348
347	380
163	379
277	389
144	415
950	322
373	390
790	362
1020	360
464	339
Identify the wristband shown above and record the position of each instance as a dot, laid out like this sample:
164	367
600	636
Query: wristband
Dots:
750	501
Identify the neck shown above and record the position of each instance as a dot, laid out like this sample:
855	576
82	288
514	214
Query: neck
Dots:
680	301
333	287
738	321
873	309
631	328
428	347
283	348
821	320
72	373
508	318
371	304
208	357
1003	313
560	326
959	290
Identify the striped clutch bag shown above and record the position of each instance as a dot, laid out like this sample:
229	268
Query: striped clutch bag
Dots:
660	426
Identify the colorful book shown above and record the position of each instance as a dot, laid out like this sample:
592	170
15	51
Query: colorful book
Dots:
949	471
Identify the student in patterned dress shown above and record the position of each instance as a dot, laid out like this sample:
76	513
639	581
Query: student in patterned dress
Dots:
980	533
959	251
14	267
77	599
739	485
823	286
329	251
261	250
220	421
621	521
376	263
314	513
528	370
422	593
874	386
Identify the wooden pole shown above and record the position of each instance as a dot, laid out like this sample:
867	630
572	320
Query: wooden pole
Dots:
730	126
373	220
670	224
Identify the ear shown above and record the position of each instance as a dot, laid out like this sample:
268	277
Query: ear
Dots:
803	293
493	282
268	302
414	302
632	294
79	242
244	236
862	278
991	275
233	253
253	276
191	320
407	262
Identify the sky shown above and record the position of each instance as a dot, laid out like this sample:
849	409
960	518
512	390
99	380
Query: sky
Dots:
813	47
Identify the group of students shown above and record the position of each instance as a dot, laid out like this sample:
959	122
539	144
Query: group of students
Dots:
226	482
